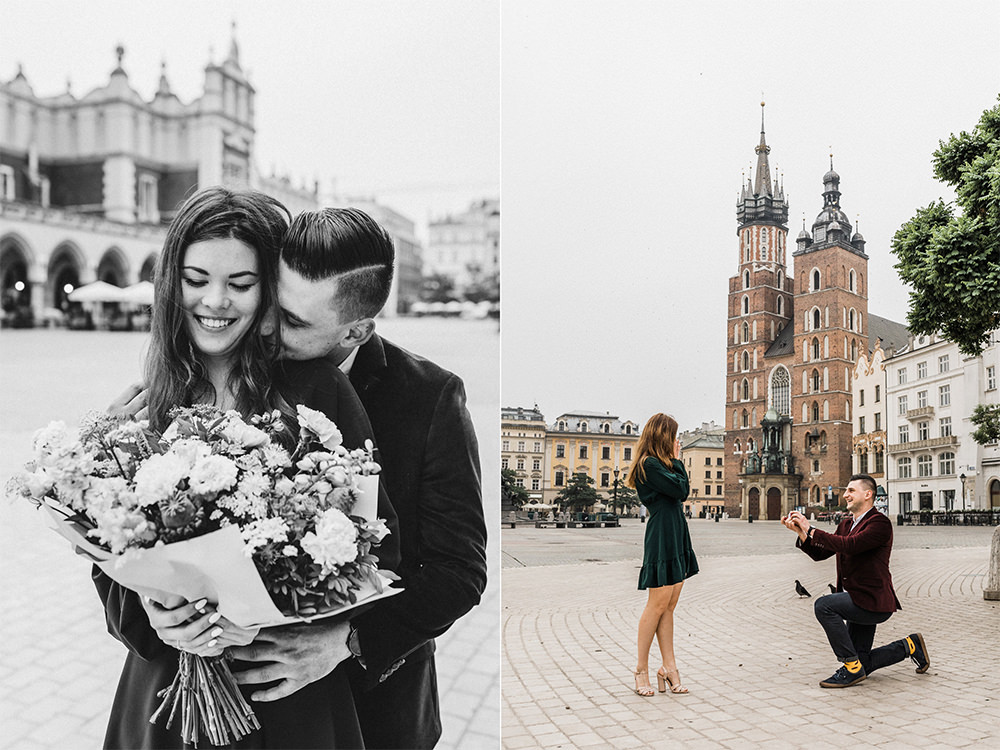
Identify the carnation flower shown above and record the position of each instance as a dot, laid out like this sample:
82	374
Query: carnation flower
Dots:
334	543
312	422
157	479
213	474
239	433
275	457
190	450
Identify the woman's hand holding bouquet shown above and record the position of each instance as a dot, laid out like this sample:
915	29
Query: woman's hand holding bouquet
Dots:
220	529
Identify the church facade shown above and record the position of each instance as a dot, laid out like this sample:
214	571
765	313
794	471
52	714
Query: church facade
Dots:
794	335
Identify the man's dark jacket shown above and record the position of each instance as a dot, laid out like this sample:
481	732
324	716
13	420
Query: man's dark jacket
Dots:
862	559
430	467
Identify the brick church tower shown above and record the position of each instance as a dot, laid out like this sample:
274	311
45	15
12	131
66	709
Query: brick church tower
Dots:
792	341
831	301
760	308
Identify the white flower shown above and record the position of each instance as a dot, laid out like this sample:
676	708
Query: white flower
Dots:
191	451
317	423
334	543
107	492
213	474
289	550
35	484
158	477
238	432
265	531
117	527
377	527
275	457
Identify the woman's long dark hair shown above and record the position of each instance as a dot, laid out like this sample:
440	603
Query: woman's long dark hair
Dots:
657	440
175	372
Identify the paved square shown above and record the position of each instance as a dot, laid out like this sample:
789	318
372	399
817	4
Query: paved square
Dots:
747	646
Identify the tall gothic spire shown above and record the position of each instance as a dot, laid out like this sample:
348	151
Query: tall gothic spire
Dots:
762	183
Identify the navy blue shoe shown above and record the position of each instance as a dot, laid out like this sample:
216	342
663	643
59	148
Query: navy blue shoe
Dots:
918	652
843	677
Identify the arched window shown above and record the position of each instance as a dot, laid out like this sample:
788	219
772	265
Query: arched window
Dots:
816	318
781	305
815	381
746	361
850	320
854	351
815	280
746	305
746	332
763	243
815	348
561	426
735	420
753	417
607	428
751	445
736	445
746	418
815	411
781	389
583	426
745	390
852	281
746	279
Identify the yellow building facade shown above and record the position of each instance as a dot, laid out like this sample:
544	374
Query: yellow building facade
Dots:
522	447
592	443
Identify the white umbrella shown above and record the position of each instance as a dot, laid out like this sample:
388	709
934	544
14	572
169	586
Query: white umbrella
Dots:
140	294
99	291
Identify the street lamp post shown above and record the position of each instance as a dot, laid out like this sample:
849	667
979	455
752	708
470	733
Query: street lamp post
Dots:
962	477
614	502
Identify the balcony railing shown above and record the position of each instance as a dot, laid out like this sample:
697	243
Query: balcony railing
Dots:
921	411
914	445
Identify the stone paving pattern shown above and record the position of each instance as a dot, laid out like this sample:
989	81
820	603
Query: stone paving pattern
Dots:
59	667
748	648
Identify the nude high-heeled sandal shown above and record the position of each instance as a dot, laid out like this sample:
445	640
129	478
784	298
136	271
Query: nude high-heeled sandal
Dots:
646	691
663	679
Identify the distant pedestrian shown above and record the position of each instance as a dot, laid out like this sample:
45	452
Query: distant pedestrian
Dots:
642	514
660	481
865	597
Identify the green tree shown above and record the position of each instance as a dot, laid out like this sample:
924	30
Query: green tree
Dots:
625	497
950	253
578	493
511	491
987	421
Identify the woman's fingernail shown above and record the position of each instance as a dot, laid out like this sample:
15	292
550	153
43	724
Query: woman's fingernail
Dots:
217	632
211	643
214	618
200	606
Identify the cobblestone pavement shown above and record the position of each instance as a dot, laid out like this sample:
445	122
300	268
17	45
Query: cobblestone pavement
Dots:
58	665
748	648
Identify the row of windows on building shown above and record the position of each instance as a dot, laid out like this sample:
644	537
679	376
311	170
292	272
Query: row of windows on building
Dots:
584	451
605	428
944	399
943	366
810	413
925	465
923	431
765	246
745	390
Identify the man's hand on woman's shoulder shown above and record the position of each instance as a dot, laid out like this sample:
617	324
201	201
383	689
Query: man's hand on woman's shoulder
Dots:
131	403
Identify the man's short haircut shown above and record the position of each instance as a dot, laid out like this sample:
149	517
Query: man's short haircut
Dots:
866	480
346	244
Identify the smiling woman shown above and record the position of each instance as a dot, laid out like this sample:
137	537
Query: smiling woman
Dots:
216	293
221	296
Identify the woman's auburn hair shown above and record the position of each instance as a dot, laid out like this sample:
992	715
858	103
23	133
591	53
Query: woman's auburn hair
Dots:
175	372
657	440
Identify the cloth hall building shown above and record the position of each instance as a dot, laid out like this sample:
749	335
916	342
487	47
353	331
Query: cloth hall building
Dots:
794	335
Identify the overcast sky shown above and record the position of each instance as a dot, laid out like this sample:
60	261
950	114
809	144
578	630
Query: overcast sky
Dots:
628	129
396	99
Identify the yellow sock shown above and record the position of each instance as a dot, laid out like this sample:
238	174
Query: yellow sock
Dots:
853	666
909	645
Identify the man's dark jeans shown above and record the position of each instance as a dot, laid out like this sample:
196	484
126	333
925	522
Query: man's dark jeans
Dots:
851	632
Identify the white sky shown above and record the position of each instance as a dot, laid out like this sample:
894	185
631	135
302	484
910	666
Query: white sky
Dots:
396	99
627	130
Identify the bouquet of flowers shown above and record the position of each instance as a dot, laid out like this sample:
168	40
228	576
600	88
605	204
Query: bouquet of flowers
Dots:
273	536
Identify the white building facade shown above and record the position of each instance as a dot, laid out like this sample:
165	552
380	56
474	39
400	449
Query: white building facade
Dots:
931	391
868	395
465	246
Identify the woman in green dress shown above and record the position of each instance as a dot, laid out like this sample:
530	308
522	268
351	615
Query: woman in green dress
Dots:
661	483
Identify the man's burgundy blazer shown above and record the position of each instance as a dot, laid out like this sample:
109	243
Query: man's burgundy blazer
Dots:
862	559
